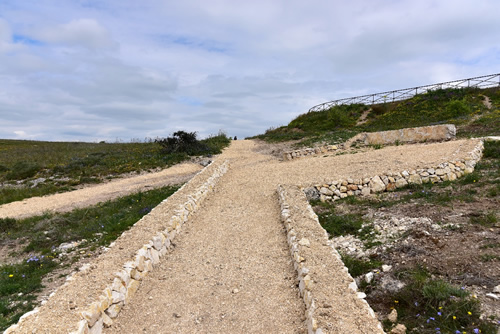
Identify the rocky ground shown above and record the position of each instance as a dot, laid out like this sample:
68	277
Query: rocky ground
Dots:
454	234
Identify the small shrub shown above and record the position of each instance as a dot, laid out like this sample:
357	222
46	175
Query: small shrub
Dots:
217	143
337	225
426	304
379	109
492	149
456	108
183	142
488	220
7	224
358	267
23	170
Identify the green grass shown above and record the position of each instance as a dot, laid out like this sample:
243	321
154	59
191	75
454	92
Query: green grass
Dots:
484	219
337	224
18	285
425	304
358	267
457	106
68	164
435	107
99	225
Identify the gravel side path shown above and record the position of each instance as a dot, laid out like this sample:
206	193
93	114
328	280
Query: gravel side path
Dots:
65	202
231	270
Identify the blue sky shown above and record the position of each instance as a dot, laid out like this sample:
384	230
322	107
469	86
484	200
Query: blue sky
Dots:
91	70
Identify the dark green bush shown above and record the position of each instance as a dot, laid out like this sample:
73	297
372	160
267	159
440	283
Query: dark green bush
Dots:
187	143
23	170
456	108
492	149
7	224
183	142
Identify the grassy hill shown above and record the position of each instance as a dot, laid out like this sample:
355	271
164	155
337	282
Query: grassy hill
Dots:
476	112
63	165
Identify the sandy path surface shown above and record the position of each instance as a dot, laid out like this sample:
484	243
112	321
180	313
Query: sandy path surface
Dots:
65	202
231	270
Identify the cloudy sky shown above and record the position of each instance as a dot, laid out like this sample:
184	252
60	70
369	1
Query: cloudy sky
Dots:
91	70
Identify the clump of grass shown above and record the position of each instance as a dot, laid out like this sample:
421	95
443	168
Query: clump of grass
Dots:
489	219
22	170
489	257
357	266
491	149
337	225
490	245
216	143
435	306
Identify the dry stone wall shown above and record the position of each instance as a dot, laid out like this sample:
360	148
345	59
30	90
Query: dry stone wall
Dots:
108	305
407	135
309	151
410	135
446	171
332	302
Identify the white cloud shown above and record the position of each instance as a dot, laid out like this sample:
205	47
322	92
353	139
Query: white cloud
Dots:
87	33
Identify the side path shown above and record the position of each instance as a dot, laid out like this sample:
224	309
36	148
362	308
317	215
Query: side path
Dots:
231	269
68	201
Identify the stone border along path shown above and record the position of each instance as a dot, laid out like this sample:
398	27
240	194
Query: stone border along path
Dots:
331	306
247	287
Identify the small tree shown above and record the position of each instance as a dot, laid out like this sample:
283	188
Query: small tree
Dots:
182	142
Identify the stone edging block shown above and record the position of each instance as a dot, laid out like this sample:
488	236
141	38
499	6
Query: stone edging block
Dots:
309	151
332	302
446	171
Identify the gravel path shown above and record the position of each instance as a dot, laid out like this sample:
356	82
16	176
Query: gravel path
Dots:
231	269
65	202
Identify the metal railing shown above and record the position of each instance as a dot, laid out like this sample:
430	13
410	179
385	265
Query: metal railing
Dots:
403	94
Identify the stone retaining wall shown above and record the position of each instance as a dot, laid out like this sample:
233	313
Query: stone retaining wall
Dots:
332	302
407	135
447	171
309	151
108	305
410	135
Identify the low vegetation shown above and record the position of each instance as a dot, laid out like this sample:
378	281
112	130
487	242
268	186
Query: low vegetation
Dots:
37	241
464	107
36	168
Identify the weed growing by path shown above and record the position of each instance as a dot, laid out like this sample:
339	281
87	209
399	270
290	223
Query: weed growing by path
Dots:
18	285
435	306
